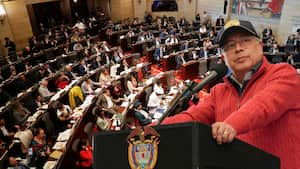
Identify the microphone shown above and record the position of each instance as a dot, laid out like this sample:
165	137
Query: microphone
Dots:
217	72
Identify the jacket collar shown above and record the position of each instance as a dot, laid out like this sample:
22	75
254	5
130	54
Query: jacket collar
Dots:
254	73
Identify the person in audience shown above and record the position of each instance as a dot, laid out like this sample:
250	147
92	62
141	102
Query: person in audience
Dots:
141	37
10	45
63	113
193	55
62	81
274	48
159	53
123	67
291	43
157	42
206	18
104	77
44	91
120	52
149	36
27	52
41	73
172	40
116	59
19	113
22	83
267	32
130	33
105	46
203	31
38	102
257	102
135	21
68	72
220	22
118	91
96	62
82	68
197	17
88	87
163	34
40	148
158	87
105	101
183	22
132	85
105	59
13	163
5	97
109	32
164	21
184	46
5	134
148	17
76	97
103	120
140	29
77	47
179	59
208	45
142	115
66	50
85	154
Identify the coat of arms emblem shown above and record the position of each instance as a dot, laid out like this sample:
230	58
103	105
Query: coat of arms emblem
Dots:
143	148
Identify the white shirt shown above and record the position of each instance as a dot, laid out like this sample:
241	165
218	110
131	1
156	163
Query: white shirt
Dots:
144	113
158	89
113	70
4	131
110	104
66	111
154	100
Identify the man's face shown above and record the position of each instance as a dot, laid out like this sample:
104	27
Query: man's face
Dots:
242	52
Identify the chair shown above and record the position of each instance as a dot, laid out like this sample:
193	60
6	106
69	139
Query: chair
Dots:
202	66
75	145
148	92
95	111
88	130
213	61
76	151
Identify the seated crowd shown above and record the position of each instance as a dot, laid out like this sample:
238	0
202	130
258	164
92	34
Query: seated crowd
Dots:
85	77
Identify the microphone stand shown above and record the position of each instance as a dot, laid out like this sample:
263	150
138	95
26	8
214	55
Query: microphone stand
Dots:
184	95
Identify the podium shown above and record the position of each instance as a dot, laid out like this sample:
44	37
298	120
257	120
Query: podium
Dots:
183	146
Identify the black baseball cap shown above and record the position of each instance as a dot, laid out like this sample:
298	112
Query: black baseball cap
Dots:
235	25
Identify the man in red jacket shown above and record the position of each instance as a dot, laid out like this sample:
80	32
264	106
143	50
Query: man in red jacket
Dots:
257	103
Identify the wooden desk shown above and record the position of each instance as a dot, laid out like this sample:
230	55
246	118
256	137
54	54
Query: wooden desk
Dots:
190	70
168	63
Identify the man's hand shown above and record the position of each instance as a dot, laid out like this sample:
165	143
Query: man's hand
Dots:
223	132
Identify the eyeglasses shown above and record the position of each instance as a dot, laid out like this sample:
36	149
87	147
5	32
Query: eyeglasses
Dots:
231	45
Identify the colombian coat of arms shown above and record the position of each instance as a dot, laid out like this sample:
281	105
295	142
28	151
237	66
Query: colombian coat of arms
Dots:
143	148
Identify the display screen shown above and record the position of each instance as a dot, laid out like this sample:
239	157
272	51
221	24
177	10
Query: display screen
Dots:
164	5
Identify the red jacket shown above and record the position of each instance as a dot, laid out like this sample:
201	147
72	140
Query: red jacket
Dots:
86	157
267	115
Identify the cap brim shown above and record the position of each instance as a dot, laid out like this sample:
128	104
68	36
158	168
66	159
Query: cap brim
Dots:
232	29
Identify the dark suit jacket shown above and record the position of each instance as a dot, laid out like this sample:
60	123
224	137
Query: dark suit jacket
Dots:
220	22
141	118
81	70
